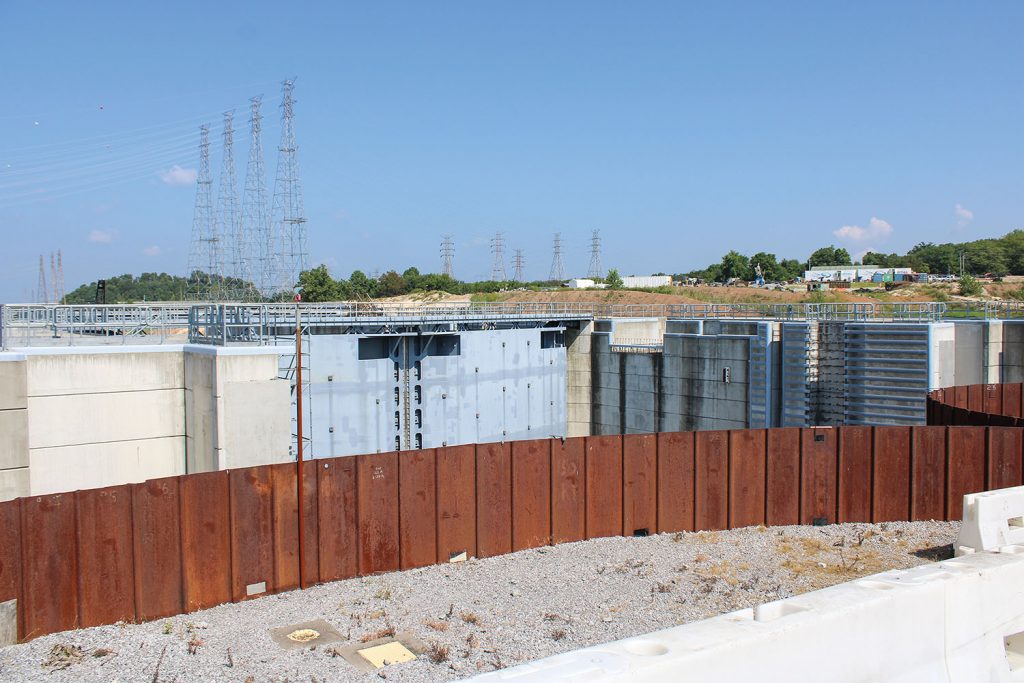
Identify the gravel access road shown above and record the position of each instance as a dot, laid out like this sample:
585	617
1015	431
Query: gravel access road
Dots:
485	614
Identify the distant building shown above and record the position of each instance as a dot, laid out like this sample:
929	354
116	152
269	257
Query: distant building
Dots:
646	282
581	283
855	274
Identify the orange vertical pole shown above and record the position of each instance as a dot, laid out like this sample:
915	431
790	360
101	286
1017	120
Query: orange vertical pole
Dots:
298	461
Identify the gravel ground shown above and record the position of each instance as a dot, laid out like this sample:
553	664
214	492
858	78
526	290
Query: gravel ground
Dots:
488	613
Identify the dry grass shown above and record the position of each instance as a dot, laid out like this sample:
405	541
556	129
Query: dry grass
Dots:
470	618
558	634
377	635
438	653
436	625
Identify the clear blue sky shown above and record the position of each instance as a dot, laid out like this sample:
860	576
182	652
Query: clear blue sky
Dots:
678	129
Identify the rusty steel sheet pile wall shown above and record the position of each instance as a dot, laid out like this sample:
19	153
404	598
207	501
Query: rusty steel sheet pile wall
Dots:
146	551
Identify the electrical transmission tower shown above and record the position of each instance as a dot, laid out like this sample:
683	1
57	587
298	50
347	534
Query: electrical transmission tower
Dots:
59	295
42	295
447	256
595	255
205	262
557	267
230	228
517	261
256	226
498	249
288	209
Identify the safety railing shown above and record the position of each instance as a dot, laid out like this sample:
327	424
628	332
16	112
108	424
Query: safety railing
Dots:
50	324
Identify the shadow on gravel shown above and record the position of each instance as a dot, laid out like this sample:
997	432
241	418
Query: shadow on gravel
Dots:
935	554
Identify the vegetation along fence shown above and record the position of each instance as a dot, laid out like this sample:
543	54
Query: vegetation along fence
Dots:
167	546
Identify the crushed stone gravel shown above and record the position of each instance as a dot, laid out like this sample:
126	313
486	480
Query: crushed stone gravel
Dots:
485	614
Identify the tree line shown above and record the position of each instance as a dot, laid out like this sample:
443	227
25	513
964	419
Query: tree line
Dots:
998	256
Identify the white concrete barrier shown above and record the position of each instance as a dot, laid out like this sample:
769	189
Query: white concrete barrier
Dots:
992	519
957	620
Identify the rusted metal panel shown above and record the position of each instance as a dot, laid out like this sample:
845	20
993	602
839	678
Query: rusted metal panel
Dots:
284	494
604	486
456	502
377	481
336	518
891	499
854	474
49	564
947	414
960	397
286	524
417	514
992	402
747	471
639	484
675	482
819	479
782	506
205	540
252	532
1004	457
494	499
106	583
531	493
10	556
568	490
966	469
928	473
976	397
156	548
711	474
1011	400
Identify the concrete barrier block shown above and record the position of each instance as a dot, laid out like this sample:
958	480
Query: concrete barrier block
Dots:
992	519
87	466
14	483
78	418
8	623
53	372
13	439
12	382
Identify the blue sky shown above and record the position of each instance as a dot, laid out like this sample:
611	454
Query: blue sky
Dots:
678	129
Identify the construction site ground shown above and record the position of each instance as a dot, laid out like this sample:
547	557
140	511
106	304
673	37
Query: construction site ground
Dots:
481	615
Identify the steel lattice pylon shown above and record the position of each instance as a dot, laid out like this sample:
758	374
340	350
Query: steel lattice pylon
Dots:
256	225
205	264
289	217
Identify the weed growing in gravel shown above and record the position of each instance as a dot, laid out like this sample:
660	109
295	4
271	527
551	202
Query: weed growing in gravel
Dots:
436	625
377	635
194	644
102	652
662	587
168	627
438	653
558	634
62	656
472	641
383	593
551	616
470	618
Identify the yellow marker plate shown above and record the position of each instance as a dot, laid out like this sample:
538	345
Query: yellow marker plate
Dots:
388	653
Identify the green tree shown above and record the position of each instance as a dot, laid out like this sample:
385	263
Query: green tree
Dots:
969	286
735	265
613	280
829	256
318	285
391	284
413	279
360	286
791	268
770	267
